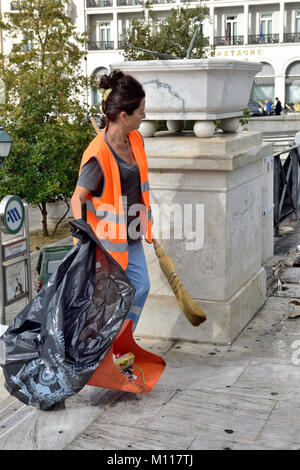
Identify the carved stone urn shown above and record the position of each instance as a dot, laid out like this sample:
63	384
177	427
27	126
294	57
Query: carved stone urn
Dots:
193	89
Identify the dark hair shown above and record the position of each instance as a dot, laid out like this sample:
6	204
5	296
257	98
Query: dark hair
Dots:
126	94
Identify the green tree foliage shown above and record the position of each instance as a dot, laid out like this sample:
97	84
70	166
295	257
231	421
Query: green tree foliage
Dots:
45	108
171	36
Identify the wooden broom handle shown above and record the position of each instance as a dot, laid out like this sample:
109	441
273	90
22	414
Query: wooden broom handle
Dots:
95	125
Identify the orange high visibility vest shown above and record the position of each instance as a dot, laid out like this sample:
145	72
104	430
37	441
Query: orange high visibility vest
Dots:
106	214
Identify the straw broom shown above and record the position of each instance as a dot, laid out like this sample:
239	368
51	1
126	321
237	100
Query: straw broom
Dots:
189	307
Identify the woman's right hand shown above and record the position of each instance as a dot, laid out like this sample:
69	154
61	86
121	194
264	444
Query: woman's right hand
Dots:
80	195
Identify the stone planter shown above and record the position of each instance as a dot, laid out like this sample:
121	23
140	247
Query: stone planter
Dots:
193	89
287	124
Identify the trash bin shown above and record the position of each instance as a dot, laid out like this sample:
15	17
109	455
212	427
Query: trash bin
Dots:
49	259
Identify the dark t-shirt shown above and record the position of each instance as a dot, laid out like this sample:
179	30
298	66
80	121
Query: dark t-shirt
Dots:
91	177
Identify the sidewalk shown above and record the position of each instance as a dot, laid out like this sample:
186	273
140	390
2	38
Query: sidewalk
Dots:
243	396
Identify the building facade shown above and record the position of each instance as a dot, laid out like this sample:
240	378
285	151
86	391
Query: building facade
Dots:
267	31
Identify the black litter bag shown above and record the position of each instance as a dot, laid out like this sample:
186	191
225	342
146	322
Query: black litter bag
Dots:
55	343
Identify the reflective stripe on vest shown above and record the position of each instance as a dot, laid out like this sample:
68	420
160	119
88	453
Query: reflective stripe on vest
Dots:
145	186
114	247
110	216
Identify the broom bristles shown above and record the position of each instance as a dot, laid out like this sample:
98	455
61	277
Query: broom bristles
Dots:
189	307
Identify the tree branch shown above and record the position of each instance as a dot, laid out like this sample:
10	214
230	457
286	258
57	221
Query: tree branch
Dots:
62	218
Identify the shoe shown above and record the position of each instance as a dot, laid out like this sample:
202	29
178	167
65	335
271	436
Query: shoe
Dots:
56	406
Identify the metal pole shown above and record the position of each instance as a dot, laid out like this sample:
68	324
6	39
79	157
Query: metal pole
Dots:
294	157
276	192
2	301
29	280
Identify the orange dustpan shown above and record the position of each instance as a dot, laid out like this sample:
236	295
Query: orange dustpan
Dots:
148	367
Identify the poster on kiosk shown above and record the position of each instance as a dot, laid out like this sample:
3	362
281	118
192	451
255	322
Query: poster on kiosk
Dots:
15	269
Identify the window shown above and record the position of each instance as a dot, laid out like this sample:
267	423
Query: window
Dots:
266	24
292	83
263	87
231	26
297	28
103	32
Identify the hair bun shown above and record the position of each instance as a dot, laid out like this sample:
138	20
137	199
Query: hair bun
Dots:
126	95
109	81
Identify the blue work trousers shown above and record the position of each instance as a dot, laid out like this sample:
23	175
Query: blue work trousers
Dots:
137	273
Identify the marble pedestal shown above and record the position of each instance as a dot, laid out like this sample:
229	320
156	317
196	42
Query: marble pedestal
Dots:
219	256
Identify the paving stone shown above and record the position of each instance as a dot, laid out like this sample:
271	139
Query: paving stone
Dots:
179	423
284	445
25	427
157	346
206	412
189	371
111	436
211	443
127	424
282	430
266	379
267	346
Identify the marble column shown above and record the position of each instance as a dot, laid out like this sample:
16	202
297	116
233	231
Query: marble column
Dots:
246	23
281	21
212	25
115	29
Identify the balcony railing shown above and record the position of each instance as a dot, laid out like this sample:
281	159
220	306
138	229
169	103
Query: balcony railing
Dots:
229	40
101	45
218	40
155	2
125	3
121	43
98	3
291	37
263	38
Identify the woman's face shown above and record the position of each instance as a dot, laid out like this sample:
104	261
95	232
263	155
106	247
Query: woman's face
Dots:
134	120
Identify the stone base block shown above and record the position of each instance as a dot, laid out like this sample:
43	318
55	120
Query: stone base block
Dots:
162	317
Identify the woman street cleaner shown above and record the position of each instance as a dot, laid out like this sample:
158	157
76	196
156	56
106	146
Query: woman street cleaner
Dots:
52	348
113	181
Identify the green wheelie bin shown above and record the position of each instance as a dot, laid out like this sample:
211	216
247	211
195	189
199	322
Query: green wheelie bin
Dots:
49	259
